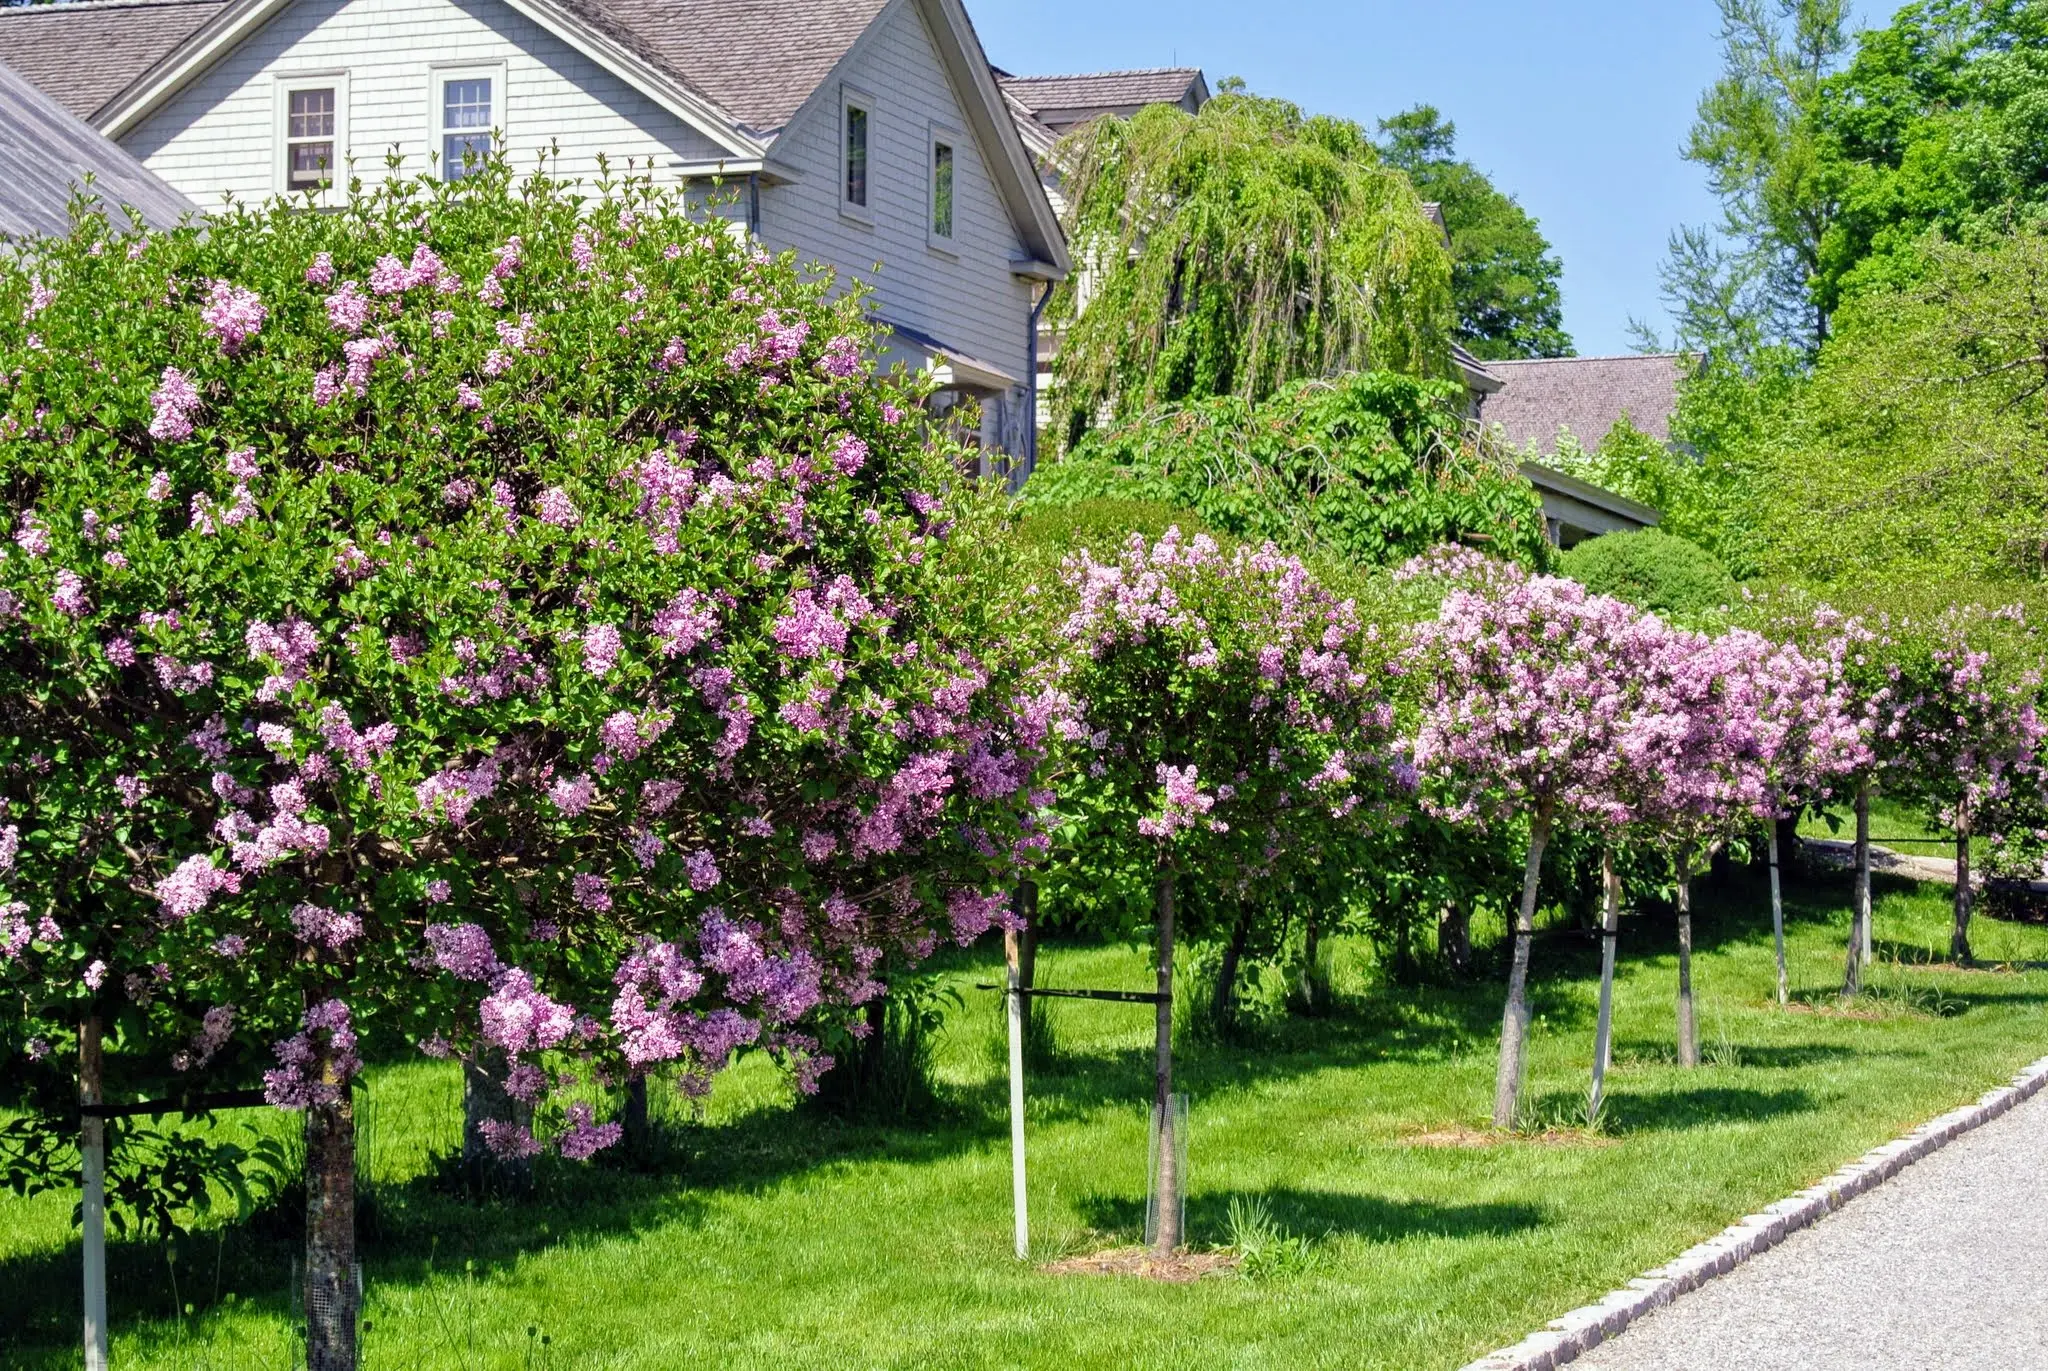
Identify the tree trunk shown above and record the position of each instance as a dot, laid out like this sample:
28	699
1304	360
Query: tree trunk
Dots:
331	1296
1959	941
1859	907
1688	1031
1225	1005
92	1151
1168	1237
1514	1023
1777	915
484	1100
1603	1032
1311	946
1454	936
1027	937
639	1129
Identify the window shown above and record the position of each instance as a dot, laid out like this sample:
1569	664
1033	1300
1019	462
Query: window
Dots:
465	102
466	125
856	152
856	155
942	189
309	137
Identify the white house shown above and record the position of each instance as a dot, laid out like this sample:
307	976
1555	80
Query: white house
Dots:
868	135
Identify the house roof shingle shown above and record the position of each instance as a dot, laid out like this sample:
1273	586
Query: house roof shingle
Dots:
1061	101
757	60
83	54
1587	395
45	152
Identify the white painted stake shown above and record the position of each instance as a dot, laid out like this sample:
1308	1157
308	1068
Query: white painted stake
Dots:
1011	957
92	1148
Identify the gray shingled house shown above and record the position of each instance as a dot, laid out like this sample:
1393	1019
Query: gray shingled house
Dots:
860	133
47	155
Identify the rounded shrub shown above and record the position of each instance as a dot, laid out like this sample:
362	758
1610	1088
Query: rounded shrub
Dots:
1652	570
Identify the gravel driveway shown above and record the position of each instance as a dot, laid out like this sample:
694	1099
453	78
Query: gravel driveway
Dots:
1945	1266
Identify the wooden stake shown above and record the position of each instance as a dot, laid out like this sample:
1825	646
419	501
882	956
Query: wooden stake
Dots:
1688	1030
1014	965
92	1149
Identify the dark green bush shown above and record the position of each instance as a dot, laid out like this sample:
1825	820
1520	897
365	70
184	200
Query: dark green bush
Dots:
1654	570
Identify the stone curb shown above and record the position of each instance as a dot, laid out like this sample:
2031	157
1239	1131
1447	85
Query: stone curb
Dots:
1585	1328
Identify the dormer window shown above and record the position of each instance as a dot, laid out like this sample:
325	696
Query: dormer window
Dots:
856	123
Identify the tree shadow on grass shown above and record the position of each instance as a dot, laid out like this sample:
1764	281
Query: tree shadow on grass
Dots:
1317	1214
1661	1111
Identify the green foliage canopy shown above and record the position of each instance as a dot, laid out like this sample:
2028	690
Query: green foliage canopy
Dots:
1504	274
1371	468
1231	251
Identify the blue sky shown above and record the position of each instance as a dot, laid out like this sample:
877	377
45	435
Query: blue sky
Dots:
1575	107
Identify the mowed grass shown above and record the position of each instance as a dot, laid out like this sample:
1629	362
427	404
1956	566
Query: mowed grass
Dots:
773	1238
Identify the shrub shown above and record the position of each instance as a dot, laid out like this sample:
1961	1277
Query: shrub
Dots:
1652	571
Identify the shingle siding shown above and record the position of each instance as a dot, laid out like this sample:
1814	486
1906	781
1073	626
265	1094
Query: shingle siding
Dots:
966	298
218	134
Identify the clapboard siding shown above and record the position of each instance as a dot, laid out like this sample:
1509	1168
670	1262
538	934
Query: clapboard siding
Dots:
217	135
966	298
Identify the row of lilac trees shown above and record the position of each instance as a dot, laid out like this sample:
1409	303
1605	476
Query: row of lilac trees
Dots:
527	628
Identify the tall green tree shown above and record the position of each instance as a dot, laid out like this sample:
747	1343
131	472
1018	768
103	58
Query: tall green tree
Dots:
1232	251
1504	274
1919	448
1940	122
1756	133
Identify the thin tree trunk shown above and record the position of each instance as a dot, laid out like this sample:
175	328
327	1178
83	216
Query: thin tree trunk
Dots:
331	1296
485	1100
1688	1031
1959	941
1454	936
1777	916
1225	1005
1027	937
1311	945
1514	1023
1168	1236
92	1151
1603	1033
1859	908
638	1125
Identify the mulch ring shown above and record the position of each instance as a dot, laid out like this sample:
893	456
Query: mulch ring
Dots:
1490	1137
1181	1268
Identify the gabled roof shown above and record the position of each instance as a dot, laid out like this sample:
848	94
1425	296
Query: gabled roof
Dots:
1587	395
736	70
1060	102
84	54
757	60
45	154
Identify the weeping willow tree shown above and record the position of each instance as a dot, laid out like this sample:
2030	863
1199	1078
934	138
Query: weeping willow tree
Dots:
1231	251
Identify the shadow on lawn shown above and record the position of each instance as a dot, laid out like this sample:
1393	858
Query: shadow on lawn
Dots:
1659	1111
1319	1213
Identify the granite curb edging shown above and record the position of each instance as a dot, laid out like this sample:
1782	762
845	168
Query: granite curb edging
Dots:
1585	1328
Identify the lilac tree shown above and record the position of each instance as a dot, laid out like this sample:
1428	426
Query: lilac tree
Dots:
1531	706
513	623
1233	716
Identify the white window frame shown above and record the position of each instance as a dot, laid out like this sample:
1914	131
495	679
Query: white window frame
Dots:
936	136
336	190
853	98
437	106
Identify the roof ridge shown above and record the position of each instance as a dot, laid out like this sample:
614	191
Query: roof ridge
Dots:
62	6
1598	357
1121	71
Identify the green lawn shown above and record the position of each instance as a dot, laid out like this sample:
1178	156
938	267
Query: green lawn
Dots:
775	1239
